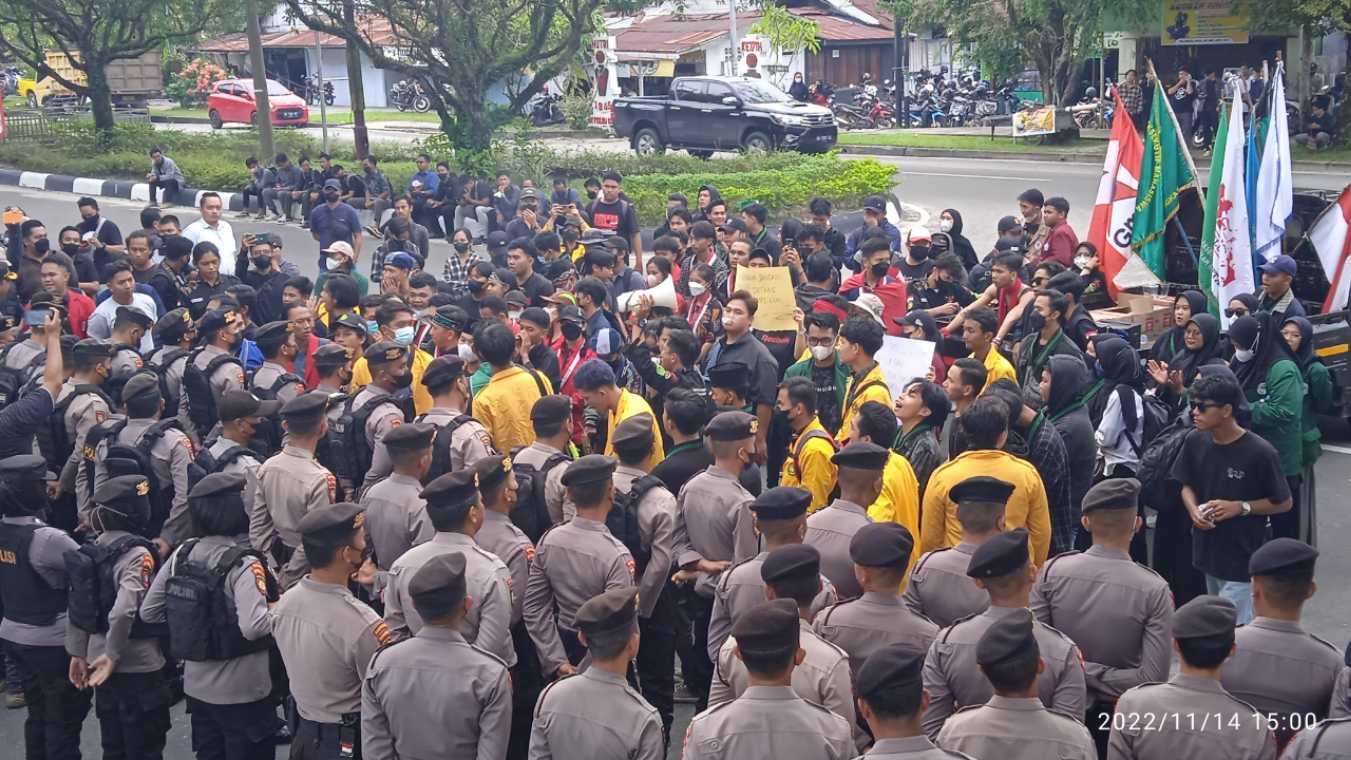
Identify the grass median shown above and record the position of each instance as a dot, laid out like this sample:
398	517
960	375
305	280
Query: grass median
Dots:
336	115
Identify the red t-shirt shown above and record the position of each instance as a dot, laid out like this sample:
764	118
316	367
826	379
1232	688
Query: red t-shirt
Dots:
1060	245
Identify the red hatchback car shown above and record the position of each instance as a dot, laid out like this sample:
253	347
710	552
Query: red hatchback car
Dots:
231	102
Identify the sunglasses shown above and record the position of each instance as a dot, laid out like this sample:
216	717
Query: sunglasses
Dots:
1231	313
1202	406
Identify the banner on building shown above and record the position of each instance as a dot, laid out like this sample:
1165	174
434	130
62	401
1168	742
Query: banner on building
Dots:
604	81
1039	121
1205	22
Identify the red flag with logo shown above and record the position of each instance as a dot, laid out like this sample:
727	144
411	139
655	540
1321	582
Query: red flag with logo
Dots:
1114	209
1331	238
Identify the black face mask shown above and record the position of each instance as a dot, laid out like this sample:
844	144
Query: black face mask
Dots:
332	195
591	194
880	269
42	246
475	287
404	380
919	253
262	262
461	247
572	331
70	249
1035	321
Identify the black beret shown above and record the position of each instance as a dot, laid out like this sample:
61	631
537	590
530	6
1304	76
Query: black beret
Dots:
790	562
551	410
142	385
458	489
217	484
438	586
1114	493
216	319
332	520
634	433
352	322
136	316
1006	638
893	668
129	494
861	456
729	375
384	352
613	610
981	488
1001	555
305	406
443	370
1283	555
272	333
1205	616
173	324
769	628
884	544
95	348
781	503
451	317
24	467
592	468
236	404
330	355
410	437
731	426
491	470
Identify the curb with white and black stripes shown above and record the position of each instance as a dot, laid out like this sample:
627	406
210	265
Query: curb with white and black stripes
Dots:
107	188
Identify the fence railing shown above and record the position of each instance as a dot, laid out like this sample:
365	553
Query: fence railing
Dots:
34	124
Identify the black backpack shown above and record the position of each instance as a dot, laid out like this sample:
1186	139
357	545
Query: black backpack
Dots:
329	452
161	494
114	384
531	513
352	434
91	588
1158	488
160	367
12	380
622	519
203	621
205	464
55	444
197	390
441	445
1157	417
270	432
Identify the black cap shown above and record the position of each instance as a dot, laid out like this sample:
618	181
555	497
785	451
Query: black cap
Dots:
443	370
128	494
143	385
875	203
769	629
1001	555
1205	617
305	406
410	437
24	467
790	562
350	321
454	490
634	433
94	348
216	319
173	325
731	426
883	544
450	316
781	503
730	375
551	410
613	610
889	670
137	317
218	483
272	333
556	269
236	404
1283	556
982	489
1007	223
592	468
330	355
496	240
1008	637
733	223
384	352
600	257
438	587
572	314
861	456
1004	245
332	521
491	470
1114	493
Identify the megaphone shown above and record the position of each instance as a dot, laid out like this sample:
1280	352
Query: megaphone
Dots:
662	295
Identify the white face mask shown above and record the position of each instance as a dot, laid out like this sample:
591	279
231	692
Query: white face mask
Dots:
514	315
466	353
1081	262
334	262
821	353
652	280
1243	354
945	225
697	289
728	322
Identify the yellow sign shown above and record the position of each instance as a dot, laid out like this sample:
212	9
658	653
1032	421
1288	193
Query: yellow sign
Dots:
773	289
1205	22
1040	121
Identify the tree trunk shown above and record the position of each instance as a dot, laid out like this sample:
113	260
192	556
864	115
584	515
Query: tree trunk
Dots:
100	100
356	88
261	104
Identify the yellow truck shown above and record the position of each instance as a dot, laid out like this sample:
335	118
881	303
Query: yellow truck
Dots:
133	81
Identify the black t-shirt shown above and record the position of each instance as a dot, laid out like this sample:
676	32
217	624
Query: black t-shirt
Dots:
827	400
926	297
915	271
1246	470
619	217
537	286
108	233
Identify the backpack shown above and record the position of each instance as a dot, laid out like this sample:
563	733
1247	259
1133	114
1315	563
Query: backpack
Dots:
91	588
329	451
114	384
1157	416
160	367
203	622
205	464
801	444
441	445
58	446
622	519
354	449
531	513
161	494
270	432
197	390
1158	488
12	380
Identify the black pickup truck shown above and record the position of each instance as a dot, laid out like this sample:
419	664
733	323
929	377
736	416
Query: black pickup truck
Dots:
704	114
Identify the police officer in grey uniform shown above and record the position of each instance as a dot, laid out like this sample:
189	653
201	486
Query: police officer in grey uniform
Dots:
334	369
891	698
33	593
1118	612
129	327
1014	724
175	333
779	516
1003	567
86	406
241	413
278	345
830	529
939	588
1329	740
220	331
327	636
469	441
881	553
769	719
1279	668
291	484
395	518
574	562
793	572
452	504
227	678
597	713
390	372
28	355
1191	715
551	418
436	694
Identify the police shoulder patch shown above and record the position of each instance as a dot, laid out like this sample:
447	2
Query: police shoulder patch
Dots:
259	577
530	552
382	634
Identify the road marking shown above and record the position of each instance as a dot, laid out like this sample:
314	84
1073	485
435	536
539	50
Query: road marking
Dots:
976	176
1338	449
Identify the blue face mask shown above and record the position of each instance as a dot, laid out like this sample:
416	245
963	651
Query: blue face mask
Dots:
372	327
404	335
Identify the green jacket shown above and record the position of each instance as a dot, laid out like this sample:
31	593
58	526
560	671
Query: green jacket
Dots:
1317	401
804	369
1278	413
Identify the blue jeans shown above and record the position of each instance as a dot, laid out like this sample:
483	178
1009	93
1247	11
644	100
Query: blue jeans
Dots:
1238	593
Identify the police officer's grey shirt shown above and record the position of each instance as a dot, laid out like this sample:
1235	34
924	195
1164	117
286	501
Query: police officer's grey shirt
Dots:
1188	717
267	375
713	522
83	413
22	355
768	722
595	715
555	495
656	526
126	362
830	530
1017	729
500	536
132	573
396	519
872	621
910	748
290	484
939	588
245	464
173	374
1280	668
169	457
435	695
740	588
1329	740
469	443
383	418
227	377
47	556
223	682
822	678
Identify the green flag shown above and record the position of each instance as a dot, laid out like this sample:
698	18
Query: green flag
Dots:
1204	270
1164	173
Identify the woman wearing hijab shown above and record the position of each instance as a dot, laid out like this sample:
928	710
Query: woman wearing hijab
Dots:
798	89
950	227
1241	305
1202	344
1064	383
1298	334
1116	409
1270	376
1187	304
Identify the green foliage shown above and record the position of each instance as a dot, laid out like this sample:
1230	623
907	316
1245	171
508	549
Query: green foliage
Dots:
576	111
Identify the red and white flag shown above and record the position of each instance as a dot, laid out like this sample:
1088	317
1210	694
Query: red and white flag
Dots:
1114	209
1331	238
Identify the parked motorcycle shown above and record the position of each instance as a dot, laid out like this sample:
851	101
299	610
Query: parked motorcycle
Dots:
409	95
312	91
546	108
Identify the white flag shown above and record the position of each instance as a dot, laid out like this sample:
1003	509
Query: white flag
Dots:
1275	195
1231	270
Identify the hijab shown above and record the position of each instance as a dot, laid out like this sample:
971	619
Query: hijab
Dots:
1261	334
1247	299
1170	342
1305	355
1119	365
1069	381
960	245
1188	361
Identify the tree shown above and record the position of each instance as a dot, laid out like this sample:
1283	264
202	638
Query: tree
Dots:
460	49
786	33
95	33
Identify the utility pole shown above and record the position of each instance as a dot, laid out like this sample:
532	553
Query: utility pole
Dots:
356	88
731	40
260	102
902	43
319	72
